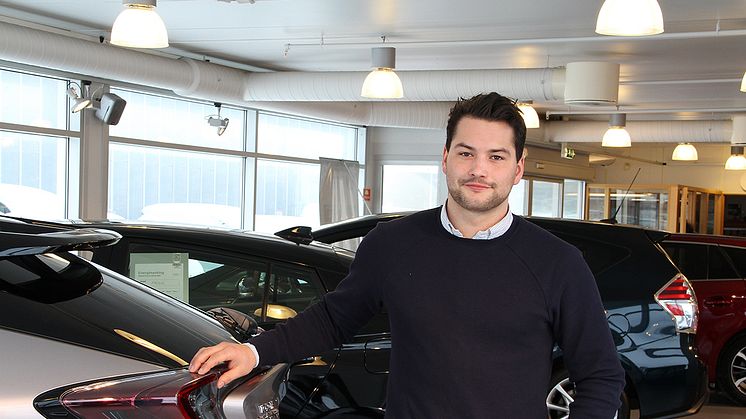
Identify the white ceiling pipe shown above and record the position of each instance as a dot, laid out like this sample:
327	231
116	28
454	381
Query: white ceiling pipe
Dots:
641	131
530	84
424	115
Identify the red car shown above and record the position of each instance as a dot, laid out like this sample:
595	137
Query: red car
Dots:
716	266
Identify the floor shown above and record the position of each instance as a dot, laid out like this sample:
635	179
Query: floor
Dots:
717	408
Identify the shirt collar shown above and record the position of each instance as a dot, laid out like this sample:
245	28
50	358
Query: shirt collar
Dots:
495	231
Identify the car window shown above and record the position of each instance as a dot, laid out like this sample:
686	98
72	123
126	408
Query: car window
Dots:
292	287
719	267
597	254
691	258
738	257
201	278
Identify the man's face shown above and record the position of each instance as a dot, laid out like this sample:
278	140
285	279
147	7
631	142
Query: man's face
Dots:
481	165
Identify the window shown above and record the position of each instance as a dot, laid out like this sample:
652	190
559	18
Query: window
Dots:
32	175
164	185
293	137
546	198
719	266
177	121
287	195
572	199
738	257
690	258
37	101
518	198
212	280
292	287
409	187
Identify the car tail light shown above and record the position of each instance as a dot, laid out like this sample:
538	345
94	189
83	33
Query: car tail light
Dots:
678	299
173	394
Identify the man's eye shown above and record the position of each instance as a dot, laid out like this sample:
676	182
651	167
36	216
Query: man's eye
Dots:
464	154
497	158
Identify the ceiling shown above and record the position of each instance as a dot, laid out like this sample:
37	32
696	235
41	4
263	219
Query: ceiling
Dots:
694	67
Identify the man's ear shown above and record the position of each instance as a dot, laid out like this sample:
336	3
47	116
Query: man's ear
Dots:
443	162
519	169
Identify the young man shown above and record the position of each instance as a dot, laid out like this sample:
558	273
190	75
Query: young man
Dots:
477	298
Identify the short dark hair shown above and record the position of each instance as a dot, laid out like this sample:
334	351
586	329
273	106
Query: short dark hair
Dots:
489	107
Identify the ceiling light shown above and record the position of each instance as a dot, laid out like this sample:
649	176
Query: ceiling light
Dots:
382	82
216	121
530	117
630	18
78	97
684	152
616	135
139	26
736	161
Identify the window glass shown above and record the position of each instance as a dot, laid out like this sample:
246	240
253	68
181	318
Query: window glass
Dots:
32	175
294	137
287	195
690	258
518	198
738	257
153	184
178	121
213	280
719	266
409	187
292	287
37	101
646	209
573	199
596	201
545	199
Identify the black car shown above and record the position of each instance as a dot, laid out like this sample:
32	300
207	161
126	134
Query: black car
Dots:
80	341
268	278
651	310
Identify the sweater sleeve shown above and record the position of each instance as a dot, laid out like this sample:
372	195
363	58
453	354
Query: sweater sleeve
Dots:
336	317
583	334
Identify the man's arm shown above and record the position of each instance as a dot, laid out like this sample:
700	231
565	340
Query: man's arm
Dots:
333	320
589	352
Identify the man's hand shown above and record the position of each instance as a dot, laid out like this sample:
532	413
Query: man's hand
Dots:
240	359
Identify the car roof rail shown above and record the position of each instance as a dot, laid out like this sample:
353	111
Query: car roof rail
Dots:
298	234
20	244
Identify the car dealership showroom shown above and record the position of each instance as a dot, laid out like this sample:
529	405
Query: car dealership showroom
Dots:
187	188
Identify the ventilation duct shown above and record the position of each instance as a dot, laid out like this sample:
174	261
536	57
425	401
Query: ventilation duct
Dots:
530	84
641	131
591	83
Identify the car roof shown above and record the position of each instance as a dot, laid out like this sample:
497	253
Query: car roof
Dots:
316	254
708	238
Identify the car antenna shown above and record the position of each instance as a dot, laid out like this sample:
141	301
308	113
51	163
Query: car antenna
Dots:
613	219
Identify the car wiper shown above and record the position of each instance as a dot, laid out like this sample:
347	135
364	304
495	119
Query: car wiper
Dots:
19	244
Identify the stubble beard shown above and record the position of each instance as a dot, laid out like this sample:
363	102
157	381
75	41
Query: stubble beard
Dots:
458	195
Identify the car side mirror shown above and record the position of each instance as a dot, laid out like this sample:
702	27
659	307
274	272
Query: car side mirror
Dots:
240	325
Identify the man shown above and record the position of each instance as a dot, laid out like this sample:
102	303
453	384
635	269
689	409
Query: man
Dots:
477	298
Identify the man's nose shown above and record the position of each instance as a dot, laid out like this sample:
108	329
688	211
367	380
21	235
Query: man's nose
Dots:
478	167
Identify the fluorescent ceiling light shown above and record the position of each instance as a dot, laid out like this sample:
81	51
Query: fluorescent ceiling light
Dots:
530	117
139	26
616	135
685	152
630	18
382	82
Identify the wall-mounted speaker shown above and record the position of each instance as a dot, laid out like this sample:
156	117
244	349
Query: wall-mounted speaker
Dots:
111	108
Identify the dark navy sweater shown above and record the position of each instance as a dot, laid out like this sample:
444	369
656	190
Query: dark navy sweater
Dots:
473	322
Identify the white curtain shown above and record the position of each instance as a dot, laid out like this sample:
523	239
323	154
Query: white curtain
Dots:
338	193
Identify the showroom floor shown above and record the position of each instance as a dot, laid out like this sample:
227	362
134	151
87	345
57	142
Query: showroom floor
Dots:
717	408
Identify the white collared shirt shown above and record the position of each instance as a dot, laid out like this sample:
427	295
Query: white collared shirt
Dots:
496	230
